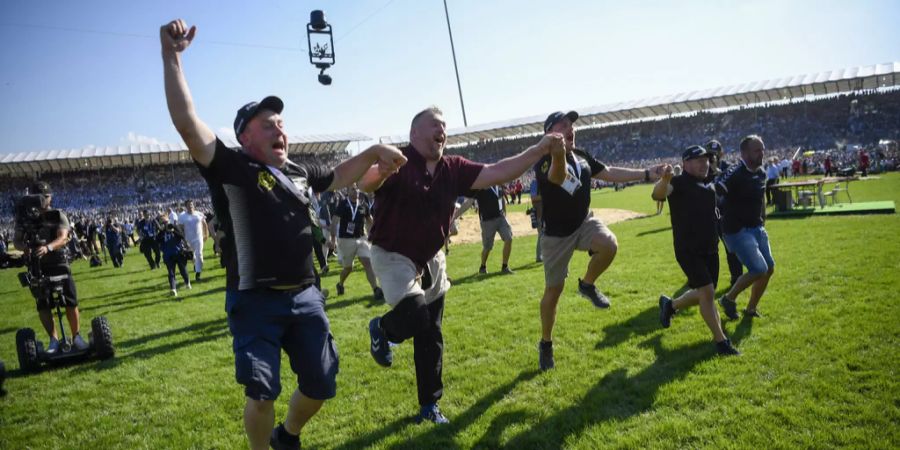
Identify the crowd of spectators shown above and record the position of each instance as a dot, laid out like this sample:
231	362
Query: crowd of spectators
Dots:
806	133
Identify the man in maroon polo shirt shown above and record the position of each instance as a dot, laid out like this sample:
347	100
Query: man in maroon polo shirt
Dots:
412	219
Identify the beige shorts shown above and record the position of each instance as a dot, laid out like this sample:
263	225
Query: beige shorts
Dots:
557	251
491	227
399	278
352	248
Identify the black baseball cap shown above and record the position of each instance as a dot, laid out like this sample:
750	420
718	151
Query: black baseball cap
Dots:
714	146
694	151
40	187
248	111
557	116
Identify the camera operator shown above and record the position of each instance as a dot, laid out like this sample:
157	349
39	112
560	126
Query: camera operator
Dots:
47	242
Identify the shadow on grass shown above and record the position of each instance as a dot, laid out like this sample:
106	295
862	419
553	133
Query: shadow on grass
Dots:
615	398
645	322
658	230
481	277
441	436
371	303
194	334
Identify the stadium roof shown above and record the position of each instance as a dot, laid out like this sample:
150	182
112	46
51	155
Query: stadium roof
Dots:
830	82
90	158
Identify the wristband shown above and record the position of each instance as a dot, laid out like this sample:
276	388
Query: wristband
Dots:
646	174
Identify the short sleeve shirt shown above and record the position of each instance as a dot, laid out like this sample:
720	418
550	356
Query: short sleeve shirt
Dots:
352	217
565	210
694	215
744	193
265	217
414	207
490	203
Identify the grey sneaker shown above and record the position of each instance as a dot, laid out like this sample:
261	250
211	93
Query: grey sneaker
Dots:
54	346
666	311
506	270
590	292
545	355
79	343
730	307
482	270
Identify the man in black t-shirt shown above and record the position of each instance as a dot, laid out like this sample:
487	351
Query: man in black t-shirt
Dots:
348	233
492	214
148	228
51	240
565	185
692	203
744	187
263	203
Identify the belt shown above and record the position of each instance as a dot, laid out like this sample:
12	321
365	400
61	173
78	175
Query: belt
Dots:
289	289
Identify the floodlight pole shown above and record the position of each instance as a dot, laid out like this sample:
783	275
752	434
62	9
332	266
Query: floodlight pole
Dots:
455	68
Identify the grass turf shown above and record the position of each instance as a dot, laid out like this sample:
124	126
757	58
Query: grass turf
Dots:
818	371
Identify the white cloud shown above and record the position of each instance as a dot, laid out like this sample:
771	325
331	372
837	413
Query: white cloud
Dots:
136	139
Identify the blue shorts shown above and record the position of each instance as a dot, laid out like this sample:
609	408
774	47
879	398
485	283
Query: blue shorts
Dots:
751	245
262	322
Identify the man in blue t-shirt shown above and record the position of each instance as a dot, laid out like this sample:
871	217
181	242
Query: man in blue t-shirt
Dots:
744	188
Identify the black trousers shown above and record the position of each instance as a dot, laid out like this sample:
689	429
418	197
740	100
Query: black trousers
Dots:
770	190
150	249
412	318
116	253
181	264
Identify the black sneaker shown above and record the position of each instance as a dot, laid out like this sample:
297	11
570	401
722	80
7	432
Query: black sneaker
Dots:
431	413
340	289
729	306
378	294
506	270
281	440
325	269
482	270
666	311
545	355
197	276
590	292
379	346
754	313
725	348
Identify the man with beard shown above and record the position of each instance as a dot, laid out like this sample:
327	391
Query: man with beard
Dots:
744	187
564	181
413	213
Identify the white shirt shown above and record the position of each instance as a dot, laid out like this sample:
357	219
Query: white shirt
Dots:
193	228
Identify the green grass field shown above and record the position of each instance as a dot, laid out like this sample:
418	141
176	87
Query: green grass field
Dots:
819	370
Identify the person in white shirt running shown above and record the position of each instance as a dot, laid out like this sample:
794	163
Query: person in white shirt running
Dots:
193	226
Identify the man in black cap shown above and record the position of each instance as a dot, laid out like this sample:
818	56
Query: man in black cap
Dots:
263	203
692	202
49	246
717	167
148	228
565	185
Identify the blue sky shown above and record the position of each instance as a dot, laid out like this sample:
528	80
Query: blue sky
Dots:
89	72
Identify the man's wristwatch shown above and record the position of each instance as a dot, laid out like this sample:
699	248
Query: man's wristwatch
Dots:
49	248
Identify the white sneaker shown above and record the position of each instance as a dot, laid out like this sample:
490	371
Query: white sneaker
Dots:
174	293
189	286
79	343
54	345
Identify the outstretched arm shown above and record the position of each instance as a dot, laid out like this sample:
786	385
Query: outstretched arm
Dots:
174	38
623	175
513	167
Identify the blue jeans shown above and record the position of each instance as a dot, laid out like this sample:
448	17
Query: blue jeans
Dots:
751	245
264	322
